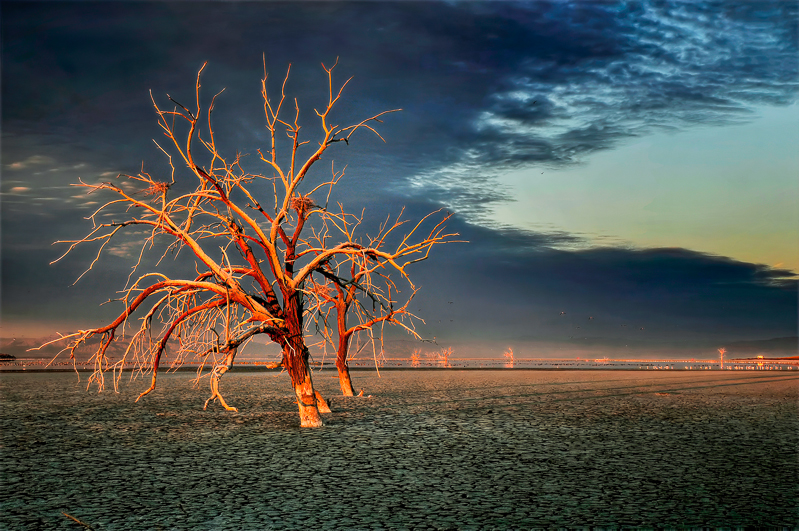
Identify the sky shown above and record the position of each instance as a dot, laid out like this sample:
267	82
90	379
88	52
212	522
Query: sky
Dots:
632	162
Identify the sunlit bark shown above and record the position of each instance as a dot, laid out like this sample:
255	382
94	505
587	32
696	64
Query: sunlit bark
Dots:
255	255
364	296
344	379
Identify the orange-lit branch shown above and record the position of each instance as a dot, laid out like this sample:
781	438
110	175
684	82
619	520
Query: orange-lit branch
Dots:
250	278
165	339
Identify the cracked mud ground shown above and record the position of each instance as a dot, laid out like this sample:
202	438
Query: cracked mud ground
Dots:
430	450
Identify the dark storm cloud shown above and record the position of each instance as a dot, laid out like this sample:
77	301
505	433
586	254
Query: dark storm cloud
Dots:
520	285
637	68
500	83
651	63
484	86
549	83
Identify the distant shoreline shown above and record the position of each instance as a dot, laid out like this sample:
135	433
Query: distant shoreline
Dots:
642	367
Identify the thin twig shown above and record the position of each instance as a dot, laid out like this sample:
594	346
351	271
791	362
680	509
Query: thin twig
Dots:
84	524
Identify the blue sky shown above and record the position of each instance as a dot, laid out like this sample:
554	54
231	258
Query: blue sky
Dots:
634	162
730	191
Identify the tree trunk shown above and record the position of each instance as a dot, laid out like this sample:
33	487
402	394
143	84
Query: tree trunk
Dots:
306	400
344	380
343	368
295	359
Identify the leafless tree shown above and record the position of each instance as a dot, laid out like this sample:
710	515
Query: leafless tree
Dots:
509	360
443	357
255	253
359	288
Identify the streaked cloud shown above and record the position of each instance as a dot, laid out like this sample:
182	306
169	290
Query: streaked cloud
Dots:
33	160
488	89
625	72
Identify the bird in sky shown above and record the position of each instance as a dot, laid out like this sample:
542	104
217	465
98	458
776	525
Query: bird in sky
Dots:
563	313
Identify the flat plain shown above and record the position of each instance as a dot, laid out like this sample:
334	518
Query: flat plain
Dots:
430	449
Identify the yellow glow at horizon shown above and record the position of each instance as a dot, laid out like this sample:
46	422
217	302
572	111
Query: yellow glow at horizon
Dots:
731	191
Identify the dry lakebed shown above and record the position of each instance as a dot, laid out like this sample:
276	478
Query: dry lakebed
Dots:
430	449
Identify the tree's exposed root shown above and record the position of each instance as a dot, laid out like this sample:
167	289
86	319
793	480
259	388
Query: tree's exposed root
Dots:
322	404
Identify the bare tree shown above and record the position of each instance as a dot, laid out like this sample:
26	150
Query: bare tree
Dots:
443	357
359	287
254	258
509	358
440	357
721	351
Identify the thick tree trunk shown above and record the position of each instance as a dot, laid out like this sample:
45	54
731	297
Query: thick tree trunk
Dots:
345	381
306	400
343	368
295	359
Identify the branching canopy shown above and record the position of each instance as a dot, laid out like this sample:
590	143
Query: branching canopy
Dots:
262	259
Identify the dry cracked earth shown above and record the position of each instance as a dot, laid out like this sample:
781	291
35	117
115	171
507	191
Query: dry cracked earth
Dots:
431	449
